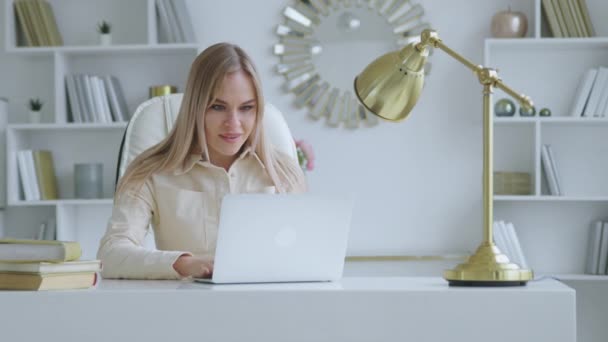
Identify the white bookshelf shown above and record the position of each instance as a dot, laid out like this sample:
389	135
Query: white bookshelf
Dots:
136	58
553	230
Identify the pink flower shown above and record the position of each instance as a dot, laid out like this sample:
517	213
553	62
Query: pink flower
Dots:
306	155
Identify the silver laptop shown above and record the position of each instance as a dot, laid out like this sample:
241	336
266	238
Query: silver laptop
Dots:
281	238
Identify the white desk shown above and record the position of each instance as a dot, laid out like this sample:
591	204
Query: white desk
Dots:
355	309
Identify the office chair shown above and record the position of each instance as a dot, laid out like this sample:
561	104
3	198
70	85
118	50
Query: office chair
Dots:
154	118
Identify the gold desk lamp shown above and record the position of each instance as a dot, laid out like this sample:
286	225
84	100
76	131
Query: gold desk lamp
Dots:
389	87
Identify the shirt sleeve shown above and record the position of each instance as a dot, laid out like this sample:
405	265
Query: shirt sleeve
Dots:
121	249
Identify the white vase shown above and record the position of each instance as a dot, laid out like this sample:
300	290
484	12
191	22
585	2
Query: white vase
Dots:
105	39
35	116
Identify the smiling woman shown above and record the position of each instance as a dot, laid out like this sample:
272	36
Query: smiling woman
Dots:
324	43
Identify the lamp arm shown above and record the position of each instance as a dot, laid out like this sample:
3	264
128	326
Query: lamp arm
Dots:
431	38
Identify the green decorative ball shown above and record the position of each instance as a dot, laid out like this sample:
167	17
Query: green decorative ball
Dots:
504	107
545	112
523	111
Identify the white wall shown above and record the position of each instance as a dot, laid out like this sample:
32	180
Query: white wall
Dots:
418	183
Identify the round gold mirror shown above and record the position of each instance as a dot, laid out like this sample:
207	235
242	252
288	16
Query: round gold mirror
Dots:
323	44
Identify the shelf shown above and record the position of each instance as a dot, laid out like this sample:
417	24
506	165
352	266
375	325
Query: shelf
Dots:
585	277
101	50
540	43
67	126
102	201
554	119
506	198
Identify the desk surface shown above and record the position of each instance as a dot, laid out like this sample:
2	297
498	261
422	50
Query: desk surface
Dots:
354	309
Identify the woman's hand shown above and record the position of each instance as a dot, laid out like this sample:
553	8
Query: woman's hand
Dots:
197	267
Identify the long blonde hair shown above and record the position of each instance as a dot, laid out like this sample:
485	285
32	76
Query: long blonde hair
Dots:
204	81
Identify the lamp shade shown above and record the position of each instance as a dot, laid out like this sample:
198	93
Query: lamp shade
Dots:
390	85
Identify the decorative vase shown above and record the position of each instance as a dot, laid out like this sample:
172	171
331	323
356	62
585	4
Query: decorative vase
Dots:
527	112
105	39
35	116
545	112
88	180
509	24
504	107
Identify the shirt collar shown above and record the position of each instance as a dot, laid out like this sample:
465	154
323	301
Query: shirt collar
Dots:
192	159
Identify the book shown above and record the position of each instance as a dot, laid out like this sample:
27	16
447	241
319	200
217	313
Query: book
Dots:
45	174
548	169
586	17
551	16
603	255
560	189
22	250
593	248
51	267
24	24
519	258
183	17
583	90
592	107
47	281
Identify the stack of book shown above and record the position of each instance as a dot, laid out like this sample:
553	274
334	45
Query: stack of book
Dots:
550	170
37	175
36	23
45	265
505	238
591	97
568	18
597	249
95	99
174	22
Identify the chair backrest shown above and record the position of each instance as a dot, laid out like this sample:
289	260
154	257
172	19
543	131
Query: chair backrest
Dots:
154	119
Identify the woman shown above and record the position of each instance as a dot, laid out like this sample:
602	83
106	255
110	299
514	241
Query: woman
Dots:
217	146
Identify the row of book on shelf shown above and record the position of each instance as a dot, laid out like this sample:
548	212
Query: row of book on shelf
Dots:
94	98
591	95
550	169
597	249
568	18
36	23
37	175
45	265
505	238
175	25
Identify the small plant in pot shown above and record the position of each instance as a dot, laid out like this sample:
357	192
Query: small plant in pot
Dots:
35	106
104	28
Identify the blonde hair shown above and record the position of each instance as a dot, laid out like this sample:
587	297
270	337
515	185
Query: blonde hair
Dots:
204	81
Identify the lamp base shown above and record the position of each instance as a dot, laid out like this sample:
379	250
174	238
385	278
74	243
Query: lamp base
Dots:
488	267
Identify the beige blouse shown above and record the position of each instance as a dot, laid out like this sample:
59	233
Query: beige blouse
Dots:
183	209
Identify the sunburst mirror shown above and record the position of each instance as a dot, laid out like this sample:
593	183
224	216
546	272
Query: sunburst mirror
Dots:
323	44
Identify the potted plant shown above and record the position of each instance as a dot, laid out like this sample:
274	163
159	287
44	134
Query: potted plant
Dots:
35	106
104	28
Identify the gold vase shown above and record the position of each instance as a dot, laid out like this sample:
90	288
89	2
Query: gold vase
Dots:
160	90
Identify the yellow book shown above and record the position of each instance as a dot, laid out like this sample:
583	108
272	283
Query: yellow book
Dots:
586	17
36	23
78	266
16	250
560	19
551	16
578	20
45	174
57	40
568	18
42	281
20	12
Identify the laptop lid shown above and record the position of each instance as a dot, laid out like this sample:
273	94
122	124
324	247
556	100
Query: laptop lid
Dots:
282	237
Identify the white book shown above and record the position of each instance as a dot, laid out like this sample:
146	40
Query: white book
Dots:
107	116
603	257
166	34
31	174
595	96
50	232
184	20
603	102
582	92
593	247
82	97
98	96
520	258
173	22
549	175
120	97
560	189
70	85
508	242
500	239
28	193
90	99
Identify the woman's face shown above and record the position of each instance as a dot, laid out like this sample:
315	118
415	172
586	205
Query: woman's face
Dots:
230	119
